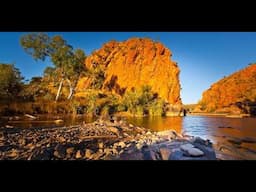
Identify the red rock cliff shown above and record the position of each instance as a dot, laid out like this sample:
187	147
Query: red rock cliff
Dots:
235	92
136	62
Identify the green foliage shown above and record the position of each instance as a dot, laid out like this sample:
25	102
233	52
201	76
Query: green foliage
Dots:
143	101
121	107
130	100
97	76
156	108
145	95
10	81
37	45
68	62
91	98
139	110
105	110
32	90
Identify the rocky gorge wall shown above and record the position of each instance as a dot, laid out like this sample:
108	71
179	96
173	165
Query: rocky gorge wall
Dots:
133	63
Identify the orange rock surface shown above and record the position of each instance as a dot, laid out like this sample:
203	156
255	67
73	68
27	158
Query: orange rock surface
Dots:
232	92
136	62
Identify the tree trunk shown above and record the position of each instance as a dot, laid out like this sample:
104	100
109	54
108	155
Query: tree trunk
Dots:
59	90
71	89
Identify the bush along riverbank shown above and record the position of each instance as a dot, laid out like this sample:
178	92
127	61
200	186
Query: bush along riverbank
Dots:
101	140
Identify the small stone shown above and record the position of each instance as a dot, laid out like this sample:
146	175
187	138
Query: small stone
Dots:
148	133
9	126
88	153
121	144
113	129
131	126
70	150
100	151
137	136
58	121
101	145
114	151
61	139
30	146
129	144
14	153
165	153
60	151
139	146
38	145
22	141
56	154
78	154
107	151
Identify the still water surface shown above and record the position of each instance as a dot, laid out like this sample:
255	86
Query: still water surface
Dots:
207	127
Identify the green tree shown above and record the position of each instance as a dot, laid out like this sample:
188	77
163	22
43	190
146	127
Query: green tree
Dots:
68	63
36	88
143	100
10	81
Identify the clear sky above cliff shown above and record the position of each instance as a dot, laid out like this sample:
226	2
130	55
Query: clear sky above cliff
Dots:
203	57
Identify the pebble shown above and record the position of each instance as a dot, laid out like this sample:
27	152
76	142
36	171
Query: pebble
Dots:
78	154
165	153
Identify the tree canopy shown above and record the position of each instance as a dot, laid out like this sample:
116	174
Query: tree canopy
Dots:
10	81
68	62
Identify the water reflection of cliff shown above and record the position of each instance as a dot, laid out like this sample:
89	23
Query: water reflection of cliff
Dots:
159	123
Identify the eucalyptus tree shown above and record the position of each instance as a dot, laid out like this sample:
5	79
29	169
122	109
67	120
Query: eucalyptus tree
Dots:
68	63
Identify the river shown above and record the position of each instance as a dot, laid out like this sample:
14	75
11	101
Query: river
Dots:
207	127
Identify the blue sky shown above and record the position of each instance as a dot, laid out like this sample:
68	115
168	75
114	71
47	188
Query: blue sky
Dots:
203	57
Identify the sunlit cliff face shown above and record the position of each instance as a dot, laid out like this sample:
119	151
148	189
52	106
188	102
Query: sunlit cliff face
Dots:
236	92
136	62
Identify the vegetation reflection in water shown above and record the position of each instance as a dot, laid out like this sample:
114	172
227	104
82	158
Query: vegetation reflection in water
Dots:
157	123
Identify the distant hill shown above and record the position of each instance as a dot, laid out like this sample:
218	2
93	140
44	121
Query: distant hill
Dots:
234	94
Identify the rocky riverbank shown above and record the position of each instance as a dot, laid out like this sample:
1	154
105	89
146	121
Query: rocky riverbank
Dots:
101	140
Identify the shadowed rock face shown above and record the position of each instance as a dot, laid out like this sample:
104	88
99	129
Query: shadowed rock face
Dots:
136	62
235	93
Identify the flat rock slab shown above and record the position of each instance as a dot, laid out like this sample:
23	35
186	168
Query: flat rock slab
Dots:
191	150
179	155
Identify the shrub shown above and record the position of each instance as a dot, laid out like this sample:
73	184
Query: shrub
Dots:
143	101
156	108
